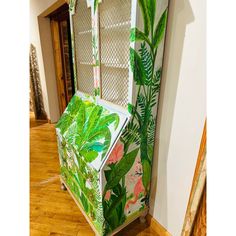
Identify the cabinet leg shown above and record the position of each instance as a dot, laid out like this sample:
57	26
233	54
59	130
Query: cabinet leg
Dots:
142	218
63	187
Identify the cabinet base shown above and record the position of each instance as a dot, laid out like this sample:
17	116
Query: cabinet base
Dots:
142	217
139	215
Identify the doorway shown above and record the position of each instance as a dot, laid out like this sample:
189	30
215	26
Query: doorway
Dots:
61	37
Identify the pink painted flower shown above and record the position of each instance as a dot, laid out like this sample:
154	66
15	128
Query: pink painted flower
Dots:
97	72
94	61
96	83
135	172
93	23
138	168
138	189
117	153
108	195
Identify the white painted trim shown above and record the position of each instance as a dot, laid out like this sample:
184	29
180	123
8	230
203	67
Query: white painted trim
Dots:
134	7
96	34
90	2
73	12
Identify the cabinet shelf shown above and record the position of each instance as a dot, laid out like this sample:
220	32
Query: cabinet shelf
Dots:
115	65
117	25
85	63
107	64
85	32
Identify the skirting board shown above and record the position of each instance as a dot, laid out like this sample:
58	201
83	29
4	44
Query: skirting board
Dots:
157	227
131	219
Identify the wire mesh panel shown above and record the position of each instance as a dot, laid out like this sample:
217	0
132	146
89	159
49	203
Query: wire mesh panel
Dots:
83	46
115	23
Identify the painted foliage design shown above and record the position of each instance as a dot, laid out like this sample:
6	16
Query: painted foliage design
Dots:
83	182
88	128
72	5
84	134
131	160
95	46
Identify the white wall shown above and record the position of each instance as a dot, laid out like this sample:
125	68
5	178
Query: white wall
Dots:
182	112
40	37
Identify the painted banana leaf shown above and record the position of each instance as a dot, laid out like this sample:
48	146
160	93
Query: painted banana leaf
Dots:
90	128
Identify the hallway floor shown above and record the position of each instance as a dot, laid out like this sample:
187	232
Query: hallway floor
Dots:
52	211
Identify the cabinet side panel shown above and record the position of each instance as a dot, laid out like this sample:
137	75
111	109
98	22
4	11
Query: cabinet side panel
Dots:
127	174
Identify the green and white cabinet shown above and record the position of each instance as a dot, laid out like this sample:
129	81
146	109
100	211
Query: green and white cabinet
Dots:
106	134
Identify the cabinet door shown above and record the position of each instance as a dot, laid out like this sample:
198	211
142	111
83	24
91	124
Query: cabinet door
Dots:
115	23
82	24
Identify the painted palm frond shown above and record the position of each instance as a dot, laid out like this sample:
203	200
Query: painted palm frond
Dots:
155	88
156	81
147	62
151	133
137	67
142	104
131	134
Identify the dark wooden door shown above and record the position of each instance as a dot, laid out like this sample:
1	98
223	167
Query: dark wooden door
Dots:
60	26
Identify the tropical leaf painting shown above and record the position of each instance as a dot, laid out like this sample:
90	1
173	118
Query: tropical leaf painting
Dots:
137	139
72	4
88	128
147	79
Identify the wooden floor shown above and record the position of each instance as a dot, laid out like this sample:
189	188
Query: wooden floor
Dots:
52	211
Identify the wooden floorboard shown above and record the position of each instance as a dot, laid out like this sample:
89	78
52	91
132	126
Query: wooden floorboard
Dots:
53	211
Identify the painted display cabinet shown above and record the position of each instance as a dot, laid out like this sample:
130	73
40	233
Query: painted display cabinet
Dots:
106	134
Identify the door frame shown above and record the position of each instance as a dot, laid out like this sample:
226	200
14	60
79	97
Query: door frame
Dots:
196	199
56	17
58	65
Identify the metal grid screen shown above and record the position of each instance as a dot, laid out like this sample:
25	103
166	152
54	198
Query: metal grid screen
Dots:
115	23
83	46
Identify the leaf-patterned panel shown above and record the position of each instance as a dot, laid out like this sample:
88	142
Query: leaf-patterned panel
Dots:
90	128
